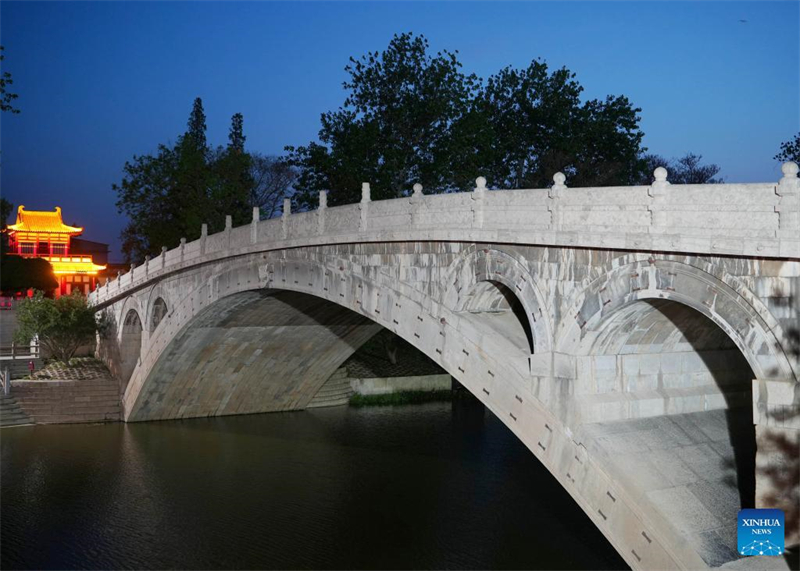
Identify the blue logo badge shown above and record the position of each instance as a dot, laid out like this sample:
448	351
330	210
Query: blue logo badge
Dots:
760	532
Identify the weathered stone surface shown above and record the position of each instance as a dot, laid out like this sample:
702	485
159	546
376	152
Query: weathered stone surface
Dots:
562	310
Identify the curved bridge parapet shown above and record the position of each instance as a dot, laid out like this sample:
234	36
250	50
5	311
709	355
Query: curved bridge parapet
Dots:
753	220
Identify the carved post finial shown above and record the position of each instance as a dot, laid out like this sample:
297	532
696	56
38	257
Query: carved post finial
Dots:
789	170
418	190
256	214
480	183
203	237
183	247
287	207
559	180
660	174
228	222
323	199
365	192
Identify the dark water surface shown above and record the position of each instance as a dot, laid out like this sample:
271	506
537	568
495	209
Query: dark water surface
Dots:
441	485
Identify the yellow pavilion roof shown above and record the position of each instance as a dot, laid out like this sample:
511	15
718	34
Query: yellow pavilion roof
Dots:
42	221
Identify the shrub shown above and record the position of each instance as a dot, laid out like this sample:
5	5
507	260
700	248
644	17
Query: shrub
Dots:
62	325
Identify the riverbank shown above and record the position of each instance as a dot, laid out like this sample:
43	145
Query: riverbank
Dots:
404	398
82	392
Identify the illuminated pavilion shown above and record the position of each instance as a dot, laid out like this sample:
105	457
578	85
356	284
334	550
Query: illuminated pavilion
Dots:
43	234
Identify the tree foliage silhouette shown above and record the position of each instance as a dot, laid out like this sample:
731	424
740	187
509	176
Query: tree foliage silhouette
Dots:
410	116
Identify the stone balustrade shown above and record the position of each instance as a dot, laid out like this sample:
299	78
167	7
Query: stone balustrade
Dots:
758	220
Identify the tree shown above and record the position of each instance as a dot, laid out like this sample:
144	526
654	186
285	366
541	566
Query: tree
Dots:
236	136
393	127
196	132
232	179
411	117
790	151
535	125
6	97
686	170
20	274
6	208
170	194
273	178
62	325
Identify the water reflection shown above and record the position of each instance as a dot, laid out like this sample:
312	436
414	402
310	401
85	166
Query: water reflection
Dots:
439	485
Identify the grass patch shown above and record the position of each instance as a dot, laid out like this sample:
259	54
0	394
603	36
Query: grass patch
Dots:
402	397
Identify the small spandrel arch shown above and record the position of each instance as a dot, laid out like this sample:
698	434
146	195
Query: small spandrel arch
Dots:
158	313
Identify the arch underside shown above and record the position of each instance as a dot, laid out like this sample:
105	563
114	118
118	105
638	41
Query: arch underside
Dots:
251	352
666	402
222	362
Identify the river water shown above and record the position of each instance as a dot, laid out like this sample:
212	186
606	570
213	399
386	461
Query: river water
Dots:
440	485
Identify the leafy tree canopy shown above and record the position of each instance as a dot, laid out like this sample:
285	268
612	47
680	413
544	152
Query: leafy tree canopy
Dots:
168	195
410	116
393	128
790	150
62	325
19	274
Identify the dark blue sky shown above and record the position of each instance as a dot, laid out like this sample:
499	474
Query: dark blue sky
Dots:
100	82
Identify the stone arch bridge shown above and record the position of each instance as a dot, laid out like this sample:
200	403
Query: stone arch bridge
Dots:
631	337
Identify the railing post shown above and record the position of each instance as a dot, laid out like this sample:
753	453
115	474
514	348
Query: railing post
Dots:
366	198
254	225
163	256
416	201
228	228
478	196
788	208
323	207
146	264
203	237
287	211
658	194
553	195
183	248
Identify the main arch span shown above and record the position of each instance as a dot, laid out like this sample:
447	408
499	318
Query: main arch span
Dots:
640	349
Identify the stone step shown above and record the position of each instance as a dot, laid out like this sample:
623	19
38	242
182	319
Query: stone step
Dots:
89	407
15	423
76	419
67	399
327	403
335	392
12	414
